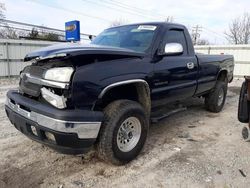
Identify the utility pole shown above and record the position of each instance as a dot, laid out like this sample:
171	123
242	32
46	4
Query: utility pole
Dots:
169	19
196	33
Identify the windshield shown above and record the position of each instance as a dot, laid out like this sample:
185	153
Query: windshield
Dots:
134	37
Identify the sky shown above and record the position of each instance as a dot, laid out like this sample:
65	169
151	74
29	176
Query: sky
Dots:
213	16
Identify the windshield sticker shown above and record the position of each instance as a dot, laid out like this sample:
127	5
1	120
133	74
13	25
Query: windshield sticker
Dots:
147	27
135	30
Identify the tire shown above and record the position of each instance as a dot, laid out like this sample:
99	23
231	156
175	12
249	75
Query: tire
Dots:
110	146
245	133
215	100
243	106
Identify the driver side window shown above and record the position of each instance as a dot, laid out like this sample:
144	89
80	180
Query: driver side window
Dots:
176	36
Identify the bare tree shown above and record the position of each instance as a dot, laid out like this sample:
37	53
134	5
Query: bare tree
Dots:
9	33
6	31
2	9
2	16
118	22
239	30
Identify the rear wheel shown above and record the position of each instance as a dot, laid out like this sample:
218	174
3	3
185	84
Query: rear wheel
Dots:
123	132
215	100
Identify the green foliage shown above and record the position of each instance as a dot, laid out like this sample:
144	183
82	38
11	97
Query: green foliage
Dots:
33	34
51	36
42	35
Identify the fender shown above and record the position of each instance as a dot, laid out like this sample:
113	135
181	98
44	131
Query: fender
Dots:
221	70
143	91
125	82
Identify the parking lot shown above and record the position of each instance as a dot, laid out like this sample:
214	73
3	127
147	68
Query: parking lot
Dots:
193	148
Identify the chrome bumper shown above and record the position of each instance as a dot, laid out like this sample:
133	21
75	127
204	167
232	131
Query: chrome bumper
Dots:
84	130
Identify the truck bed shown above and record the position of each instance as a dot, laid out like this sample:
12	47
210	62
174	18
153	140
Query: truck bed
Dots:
209	68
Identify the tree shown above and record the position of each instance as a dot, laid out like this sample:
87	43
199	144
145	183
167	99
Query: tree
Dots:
2	9
43	35
239	30
6	31
51	36
34	33
9	33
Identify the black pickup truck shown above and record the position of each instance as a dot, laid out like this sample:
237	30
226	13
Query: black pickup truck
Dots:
74	96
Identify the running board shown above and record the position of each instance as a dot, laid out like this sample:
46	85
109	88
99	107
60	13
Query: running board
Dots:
163	116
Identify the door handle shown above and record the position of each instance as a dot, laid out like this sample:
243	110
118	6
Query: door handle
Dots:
190	65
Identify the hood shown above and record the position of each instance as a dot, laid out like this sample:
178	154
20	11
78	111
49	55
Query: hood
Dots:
80	49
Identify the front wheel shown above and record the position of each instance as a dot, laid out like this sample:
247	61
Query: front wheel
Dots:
215	100
123	132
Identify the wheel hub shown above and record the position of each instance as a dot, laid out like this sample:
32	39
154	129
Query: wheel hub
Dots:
128	134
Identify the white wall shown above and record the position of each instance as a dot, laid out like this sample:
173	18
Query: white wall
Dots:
241	55
12	53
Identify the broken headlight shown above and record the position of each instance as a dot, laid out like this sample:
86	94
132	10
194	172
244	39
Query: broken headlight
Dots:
52	98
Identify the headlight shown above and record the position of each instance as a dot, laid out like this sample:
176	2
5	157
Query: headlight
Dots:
55	100
60	74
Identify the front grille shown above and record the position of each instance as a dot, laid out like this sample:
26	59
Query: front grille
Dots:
36	71
30	88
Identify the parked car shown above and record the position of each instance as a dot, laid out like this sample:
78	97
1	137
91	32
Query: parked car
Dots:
244	107
74	96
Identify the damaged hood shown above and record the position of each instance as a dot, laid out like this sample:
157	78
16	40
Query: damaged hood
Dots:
80	49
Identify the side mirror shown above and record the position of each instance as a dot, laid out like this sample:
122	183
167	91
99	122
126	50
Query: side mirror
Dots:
173	49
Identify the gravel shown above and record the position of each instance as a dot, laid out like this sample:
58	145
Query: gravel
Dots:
193	148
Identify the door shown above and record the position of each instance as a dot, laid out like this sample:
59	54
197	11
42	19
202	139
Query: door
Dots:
175	76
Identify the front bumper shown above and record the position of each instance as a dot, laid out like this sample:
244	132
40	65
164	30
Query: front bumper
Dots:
74	131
